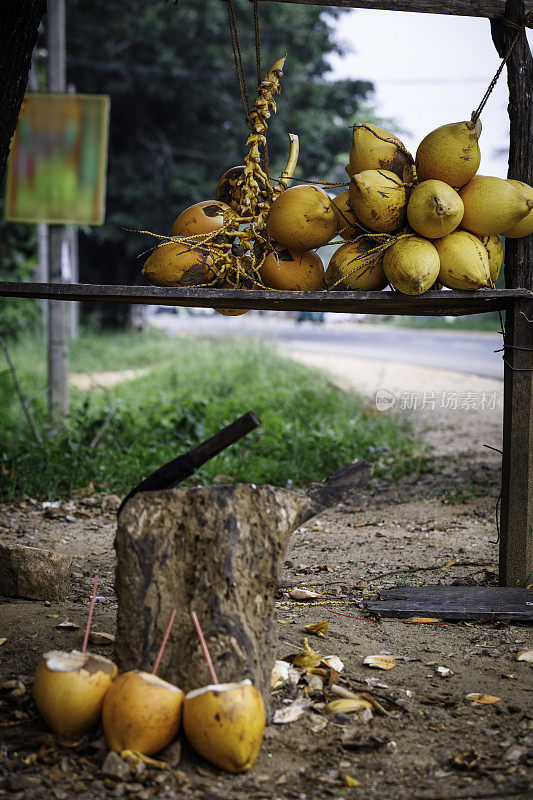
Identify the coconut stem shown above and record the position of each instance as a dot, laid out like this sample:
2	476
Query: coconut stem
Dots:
90	616
164	642
204	647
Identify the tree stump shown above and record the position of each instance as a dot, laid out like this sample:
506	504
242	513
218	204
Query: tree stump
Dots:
216	551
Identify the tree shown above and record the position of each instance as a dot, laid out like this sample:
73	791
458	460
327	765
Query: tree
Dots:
177	121
19	21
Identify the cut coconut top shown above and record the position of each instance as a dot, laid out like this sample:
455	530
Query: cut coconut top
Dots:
60	661
217	688
156	681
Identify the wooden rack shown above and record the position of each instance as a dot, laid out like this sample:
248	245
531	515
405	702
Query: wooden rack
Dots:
516	518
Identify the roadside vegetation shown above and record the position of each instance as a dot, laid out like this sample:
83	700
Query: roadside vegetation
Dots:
115	436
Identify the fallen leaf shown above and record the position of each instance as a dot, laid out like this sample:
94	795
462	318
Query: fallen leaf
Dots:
484	699
349	781
307	657
303	594
380	662
100	637
292	712
444	672
317	628
422	619
279	674
68	625
449	563
466	759
3	640
347	705
319	725
333	662
525	655
315	683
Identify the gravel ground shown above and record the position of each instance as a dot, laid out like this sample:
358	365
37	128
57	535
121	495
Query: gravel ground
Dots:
427	740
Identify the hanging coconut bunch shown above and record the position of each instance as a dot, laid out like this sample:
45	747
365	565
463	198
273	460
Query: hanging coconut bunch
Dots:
443	221
224	242
406	221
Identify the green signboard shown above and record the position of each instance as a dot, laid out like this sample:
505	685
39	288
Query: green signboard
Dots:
58	160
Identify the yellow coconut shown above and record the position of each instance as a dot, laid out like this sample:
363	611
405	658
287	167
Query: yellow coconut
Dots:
347	223
225	724
525	226
178	264
494	247
450	153
229	186
302	218
232	312
293	270
354	266
492	205
464	263
204	217
69	690
434	209
379	199
141	713
411	265
375	148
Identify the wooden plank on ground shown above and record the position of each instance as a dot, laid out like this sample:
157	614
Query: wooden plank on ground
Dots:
436	303
455	603
463	8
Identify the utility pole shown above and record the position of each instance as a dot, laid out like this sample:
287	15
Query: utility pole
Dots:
58	398
74	268
41	272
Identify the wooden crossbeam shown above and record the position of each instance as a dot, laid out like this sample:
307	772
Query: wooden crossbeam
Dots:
493	9
436	303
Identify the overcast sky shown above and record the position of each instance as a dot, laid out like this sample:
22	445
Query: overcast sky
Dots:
428	70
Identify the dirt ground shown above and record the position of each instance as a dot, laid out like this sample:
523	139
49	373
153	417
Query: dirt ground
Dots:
434	527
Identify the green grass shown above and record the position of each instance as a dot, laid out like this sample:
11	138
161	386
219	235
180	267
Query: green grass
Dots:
309	428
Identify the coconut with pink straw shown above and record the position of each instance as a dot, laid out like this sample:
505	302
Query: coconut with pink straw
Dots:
69	687
224	722
142	712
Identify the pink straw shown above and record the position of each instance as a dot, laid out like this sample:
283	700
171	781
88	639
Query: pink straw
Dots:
90	616
164	642
204	647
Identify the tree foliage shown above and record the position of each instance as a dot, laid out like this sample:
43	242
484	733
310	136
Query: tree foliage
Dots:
177	121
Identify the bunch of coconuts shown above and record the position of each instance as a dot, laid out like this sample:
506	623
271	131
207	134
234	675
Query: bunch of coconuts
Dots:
142	713
413	223
444	221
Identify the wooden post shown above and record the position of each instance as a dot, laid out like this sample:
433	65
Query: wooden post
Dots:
58	399
516	535
516	519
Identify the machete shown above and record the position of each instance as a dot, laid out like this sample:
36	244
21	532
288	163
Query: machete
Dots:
182	467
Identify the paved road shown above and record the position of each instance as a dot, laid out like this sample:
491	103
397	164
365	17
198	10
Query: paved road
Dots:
462	351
